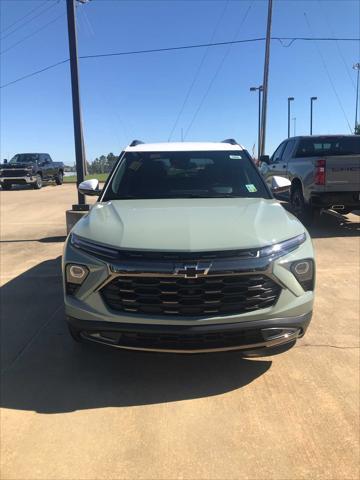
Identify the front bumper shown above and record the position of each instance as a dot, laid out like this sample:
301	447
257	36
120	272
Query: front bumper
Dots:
256	337
290	315
18	180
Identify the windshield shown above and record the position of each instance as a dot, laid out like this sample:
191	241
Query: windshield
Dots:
331	146
186	175
25	158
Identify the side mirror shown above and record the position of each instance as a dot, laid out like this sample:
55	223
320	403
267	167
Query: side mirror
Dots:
5	160
280	184
265	159
90	187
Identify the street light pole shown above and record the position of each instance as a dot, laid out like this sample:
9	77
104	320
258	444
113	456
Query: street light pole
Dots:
356	66
78	131
290	99
259	89
266	79
312	99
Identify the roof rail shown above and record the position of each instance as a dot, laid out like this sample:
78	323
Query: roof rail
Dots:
231	141
136	142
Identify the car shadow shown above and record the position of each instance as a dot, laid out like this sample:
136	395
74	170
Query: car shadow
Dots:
45	371
331	224
56	239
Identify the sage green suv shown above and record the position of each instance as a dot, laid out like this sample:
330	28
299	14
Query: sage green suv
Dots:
187	251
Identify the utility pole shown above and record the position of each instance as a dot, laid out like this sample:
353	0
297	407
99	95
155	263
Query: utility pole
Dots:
259	89
78	132
265	81
290	99
356	66
311	113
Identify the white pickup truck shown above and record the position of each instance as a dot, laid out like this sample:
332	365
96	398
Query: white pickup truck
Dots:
324	171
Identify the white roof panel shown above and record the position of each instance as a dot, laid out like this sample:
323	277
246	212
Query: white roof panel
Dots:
183	147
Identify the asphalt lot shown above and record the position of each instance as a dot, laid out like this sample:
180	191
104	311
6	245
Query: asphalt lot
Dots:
84	412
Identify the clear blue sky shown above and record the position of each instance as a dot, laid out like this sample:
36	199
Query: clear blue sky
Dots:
140	96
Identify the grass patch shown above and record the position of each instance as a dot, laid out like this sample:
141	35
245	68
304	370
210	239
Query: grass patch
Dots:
100	176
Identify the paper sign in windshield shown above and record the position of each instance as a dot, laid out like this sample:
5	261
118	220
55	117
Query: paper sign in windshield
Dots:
251	187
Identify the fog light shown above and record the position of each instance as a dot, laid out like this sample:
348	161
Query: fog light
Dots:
76	273
304	273
302	268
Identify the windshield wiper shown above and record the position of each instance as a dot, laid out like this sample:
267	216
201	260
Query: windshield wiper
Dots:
180	195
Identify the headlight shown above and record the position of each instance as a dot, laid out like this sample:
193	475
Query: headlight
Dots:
304	270
75	276
282	248
93	248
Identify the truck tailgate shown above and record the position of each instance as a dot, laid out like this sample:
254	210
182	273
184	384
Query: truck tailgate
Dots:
343	173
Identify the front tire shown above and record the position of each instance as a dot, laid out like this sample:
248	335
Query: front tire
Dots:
59	179
38	182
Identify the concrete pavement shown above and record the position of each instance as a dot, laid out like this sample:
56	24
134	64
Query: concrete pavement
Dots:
84	412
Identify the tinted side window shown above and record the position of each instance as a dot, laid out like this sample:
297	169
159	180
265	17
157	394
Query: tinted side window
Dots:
278	152
288	149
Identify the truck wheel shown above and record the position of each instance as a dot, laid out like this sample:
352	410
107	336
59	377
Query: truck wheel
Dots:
6	186
59	178
305	213
75	333
38	182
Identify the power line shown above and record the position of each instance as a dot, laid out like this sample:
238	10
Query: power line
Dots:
185	47
328	74
25	16
215	44
37	72
347	68
32	34
216	73
190	89
53	4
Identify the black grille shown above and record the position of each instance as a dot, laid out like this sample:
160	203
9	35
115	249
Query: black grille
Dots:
186	256
14	173
184	296
178	341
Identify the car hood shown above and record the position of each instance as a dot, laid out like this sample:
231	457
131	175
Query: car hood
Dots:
188	224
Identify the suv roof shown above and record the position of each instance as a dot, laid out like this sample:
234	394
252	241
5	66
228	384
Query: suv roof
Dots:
183	146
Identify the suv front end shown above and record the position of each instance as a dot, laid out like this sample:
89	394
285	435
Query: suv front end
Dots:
211	289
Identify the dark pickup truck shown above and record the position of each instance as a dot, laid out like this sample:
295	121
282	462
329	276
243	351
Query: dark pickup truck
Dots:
30	169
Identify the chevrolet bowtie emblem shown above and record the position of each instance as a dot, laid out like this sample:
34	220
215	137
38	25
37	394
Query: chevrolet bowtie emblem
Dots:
193	270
